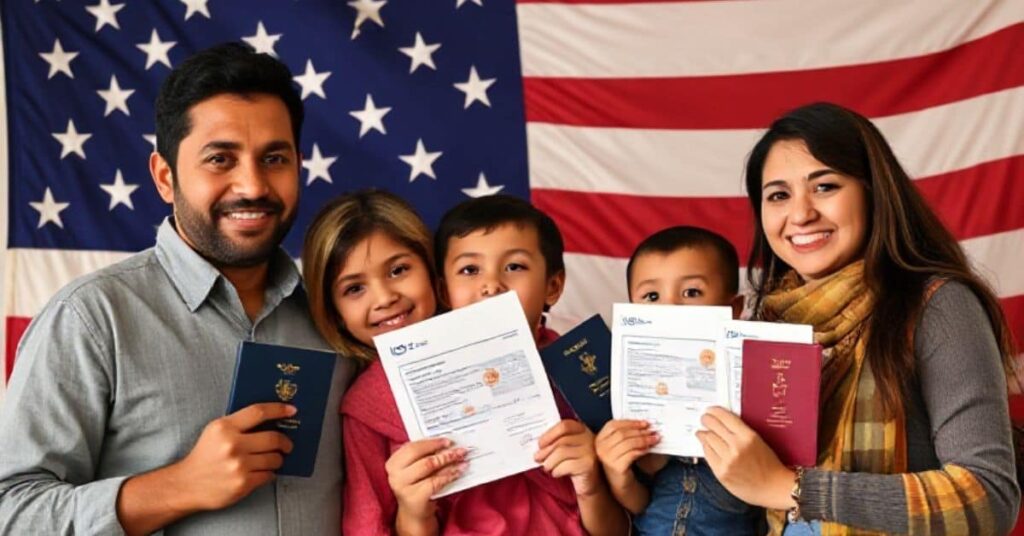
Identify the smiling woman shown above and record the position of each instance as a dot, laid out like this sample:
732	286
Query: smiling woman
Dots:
914	433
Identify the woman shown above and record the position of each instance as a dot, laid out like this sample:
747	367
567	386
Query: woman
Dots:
914	434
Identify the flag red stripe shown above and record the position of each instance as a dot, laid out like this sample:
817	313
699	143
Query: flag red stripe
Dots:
979	200
1013	308
971	202
754	100
15	328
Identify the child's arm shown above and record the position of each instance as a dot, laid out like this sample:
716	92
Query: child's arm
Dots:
567	449
618	445
416	471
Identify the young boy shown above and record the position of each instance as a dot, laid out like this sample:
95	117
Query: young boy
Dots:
490	245
675	266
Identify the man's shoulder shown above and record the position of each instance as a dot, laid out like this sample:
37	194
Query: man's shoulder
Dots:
139	271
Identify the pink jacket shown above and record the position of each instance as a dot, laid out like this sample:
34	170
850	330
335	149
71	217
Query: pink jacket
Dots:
527	503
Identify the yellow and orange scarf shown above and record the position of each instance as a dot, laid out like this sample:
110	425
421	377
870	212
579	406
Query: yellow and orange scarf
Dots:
854	432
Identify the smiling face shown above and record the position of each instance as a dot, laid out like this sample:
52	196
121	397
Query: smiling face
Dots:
382	286
237	182
814	218
484	264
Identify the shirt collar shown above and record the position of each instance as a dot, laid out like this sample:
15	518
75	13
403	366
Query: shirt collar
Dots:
195	278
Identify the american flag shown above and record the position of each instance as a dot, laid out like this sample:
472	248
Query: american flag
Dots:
618	118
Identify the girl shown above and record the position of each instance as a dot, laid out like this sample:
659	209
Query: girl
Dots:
914	433
368	269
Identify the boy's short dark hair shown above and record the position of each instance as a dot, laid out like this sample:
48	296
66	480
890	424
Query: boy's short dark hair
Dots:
487	213
230	68
684	237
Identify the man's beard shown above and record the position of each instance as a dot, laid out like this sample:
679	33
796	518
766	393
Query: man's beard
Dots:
207	239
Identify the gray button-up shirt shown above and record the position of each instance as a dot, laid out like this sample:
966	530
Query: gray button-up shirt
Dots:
119	374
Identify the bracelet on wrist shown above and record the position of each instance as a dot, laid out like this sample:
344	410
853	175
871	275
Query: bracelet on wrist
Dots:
793	514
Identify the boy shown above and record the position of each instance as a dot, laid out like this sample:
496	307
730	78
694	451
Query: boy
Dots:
675	266
490	245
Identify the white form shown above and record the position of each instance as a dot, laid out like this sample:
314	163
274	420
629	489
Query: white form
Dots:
473	375
667	368
736	331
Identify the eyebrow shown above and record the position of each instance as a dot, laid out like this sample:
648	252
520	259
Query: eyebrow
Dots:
810	177
389	260
225	145
683	278
473	254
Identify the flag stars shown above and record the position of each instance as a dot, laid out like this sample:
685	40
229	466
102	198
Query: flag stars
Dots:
151	139
59	60
458	3
261	41
475	88
421	53
482	189
311	81
156	50
105	13
49	210
366	10
318	166
71	141
196	6
370	117
421	161
120	192
115	97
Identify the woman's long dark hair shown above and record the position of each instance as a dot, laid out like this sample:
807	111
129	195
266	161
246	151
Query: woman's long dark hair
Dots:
906	246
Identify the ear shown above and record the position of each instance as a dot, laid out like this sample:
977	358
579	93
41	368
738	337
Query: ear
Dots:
555	286
162	177
737	305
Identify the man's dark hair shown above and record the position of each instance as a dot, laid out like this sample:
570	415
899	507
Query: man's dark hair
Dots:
487	213
687	237
230	68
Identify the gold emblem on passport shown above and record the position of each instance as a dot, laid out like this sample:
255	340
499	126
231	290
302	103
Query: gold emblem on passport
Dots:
285	389
588	364
288	369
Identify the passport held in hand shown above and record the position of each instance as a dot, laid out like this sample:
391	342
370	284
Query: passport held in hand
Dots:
296	376
579	364
780	397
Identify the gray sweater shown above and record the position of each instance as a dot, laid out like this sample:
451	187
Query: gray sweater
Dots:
957	413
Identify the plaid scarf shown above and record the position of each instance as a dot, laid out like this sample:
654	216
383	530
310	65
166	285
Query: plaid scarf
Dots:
854	432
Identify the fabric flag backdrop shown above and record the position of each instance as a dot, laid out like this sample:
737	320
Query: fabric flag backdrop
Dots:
617	117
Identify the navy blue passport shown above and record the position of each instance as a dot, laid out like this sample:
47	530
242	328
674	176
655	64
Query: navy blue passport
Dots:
579	364
297	376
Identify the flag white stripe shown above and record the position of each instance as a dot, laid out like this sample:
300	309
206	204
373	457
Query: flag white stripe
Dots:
594	282
709	163
725	38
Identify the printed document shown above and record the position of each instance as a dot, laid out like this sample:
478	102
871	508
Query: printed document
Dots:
473	375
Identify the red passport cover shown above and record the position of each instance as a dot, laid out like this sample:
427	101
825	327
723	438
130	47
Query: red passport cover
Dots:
779	397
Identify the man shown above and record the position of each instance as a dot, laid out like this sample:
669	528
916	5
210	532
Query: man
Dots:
114	418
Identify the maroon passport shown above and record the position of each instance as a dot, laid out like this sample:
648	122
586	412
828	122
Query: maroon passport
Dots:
779	397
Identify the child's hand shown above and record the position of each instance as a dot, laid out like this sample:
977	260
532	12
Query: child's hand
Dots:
420	469
621	442
567	449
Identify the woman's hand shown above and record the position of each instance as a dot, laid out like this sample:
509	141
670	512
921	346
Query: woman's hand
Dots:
567	449
622	442
743	462
419	469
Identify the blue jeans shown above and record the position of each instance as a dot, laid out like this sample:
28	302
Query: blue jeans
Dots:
803	528
687	499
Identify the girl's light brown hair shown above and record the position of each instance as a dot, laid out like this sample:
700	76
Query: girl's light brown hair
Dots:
340	226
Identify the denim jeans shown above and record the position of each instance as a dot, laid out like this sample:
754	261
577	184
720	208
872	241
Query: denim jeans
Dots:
803	528
687	499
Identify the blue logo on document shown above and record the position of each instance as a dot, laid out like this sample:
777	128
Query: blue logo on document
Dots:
634	321
406	347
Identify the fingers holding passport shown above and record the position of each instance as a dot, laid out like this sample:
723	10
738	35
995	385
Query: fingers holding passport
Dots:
228	462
